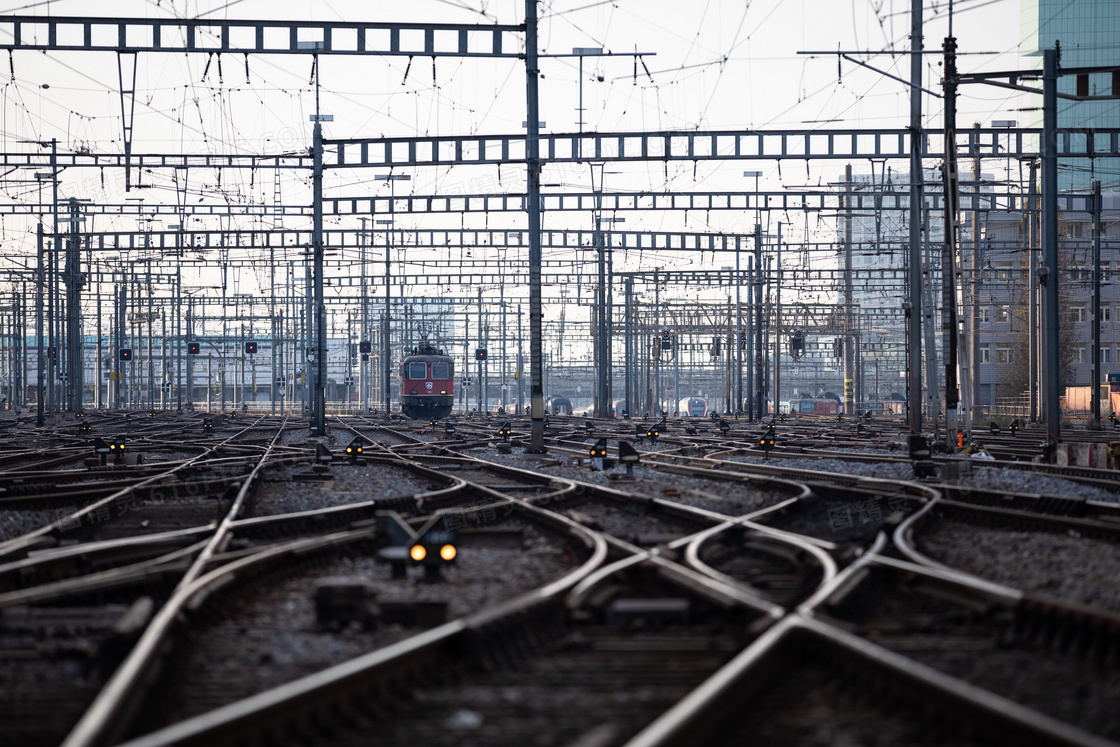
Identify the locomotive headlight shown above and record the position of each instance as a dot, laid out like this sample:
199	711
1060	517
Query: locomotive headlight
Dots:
447	552
417	553
443	391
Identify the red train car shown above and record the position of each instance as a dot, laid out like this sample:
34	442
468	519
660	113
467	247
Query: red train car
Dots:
427	383
813	406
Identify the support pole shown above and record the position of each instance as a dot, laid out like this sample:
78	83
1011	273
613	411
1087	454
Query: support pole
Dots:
1095	327
75	385
602	343
520	365
363	335
533	200
737	351
97	401
1031	234
190	358
949	247
630	352
778	325
1050	240
122	341
848	337
481	344
178	337
914	318
759	353
973	309
41	361
274	339
52	288
319	408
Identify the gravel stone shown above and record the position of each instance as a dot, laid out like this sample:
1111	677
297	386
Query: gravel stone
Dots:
268	633
279	494
1070	568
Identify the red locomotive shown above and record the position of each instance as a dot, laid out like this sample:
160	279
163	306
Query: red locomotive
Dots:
427	383
813	406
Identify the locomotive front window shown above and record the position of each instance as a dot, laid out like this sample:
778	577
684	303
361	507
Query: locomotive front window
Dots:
417	371
441	370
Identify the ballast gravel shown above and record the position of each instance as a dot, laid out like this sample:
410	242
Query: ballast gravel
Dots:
268	634
721	496
281	494
1060	566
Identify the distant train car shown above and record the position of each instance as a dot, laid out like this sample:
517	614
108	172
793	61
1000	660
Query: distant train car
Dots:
620	408
693	407
559	406
813	406
427	383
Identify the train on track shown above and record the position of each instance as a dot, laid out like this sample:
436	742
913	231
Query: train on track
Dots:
559	406
427	383
692	407
813	406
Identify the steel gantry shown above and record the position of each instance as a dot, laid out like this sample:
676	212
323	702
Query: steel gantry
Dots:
536	151
691	146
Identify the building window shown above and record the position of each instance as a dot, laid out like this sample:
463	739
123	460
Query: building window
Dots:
985	354
1001	314
1106	313
1003	354
985	314
1106	354
1003	270
1079	354
1078	313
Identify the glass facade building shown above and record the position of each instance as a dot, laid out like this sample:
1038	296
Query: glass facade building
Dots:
1089	34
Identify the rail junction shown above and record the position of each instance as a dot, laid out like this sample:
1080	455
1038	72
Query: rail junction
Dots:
218	526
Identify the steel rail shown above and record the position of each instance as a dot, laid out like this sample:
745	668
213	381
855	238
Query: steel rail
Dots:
44	536
112	710
934	693
312	696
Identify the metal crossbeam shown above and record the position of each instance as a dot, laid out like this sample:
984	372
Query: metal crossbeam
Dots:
144	210
560	273
813	200
727	145
154	161
170	35
557	202
172	241
723	145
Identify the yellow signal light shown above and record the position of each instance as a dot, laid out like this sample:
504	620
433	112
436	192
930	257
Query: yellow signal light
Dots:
447	552
417	553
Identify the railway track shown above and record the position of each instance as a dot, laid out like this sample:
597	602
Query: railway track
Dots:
713	563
